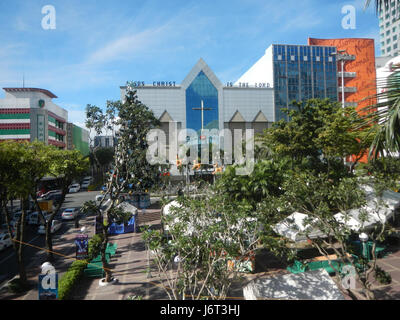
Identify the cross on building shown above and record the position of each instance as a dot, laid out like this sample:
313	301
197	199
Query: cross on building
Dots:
202	114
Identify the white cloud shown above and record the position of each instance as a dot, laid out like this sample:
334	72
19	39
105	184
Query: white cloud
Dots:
125	46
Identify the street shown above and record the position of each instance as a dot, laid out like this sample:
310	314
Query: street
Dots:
35	241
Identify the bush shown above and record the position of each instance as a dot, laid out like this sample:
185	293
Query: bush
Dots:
382	276
95	246
70	279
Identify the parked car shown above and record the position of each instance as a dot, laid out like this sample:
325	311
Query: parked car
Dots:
5	241
35	218
17	215
55	226
48	194
70	213
100	197
55	197
85	184
74	188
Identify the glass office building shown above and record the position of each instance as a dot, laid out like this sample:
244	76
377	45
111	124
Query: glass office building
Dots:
301	73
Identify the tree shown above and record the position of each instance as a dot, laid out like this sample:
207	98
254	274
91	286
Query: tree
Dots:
131	120
104	158
383	118
68	165
205	236
321	199
319	133
17	162
379	4
266	179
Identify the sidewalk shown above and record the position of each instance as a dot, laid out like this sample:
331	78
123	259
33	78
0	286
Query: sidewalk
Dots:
129	267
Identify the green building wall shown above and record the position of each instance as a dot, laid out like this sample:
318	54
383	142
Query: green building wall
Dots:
79	141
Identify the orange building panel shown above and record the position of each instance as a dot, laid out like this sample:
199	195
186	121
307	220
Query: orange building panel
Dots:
363	65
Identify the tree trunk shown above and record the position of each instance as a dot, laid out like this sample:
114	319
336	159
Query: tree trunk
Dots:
103	255
20	245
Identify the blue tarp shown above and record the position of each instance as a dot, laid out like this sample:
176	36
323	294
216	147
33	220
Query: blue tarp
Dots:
120	228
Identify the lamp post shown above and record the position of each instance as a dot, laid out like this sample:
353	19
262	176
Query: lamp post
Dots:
342	56
364	238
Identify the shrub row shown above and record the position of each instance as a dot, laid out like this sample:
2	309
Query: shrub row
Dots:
70	279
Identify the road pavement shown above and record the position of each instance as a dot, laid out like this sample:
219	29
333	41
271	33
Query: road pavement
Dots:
36	242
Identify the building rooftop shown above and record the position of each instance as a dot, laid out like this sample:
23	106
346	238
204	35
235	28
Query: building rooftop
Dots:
44	91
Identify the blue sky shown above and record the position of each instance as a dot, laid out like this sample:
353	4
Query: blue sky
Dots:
99	45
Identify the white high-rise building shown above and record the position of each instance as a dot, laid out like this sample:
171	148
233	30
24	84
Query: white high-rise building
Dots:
389	25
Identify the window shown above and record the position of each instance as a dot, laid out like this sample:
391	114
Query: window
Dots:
395	46
383	51
388	41
388	49
395	37
201	89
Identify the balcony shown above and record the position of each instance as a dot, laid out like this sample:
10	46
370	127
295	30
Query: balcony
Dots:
351	104
348	89
345	57
347	74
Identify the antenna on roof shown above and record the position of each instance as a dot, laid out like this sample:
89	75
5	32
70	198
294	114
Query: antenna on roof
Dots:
23	79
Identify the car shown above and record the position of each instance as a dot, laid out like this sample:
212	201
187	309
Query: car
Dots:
17	215
85	184
5	241
100	197
48	194
74	188
70	213
35	218
55	226
55	197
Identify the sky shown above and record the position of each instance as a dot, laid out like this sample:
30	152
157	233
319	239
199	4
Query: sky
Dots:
97	46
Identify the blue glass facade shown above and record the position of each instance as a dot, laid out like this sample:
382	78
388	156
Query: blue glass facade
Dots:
201	89
302	73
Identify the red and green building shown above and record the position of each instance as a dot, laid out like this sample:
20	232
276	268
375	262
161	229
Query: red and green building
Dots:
28	114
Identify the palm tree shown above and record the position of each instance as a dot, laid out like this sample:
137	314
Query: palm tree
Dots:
384	117
378	4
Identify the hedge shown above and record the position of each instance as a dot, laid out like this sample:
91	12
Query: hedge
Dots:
70	279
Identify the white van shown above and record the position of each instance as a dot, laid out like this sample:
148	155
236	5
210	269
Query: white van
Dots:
35	218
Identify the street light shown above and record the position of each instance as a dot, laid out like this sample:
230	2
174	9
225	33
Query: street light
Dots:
342	56
364	238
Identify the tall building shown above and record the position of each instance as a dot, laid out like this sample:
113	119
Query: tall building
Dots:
389	27
105	141
359	73
202	101
29	114
77	139
296	72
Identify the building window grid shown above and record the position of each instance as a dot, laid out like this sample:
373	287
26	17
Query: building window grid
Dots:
322	83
